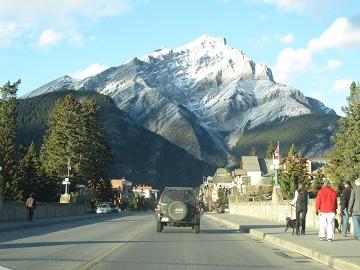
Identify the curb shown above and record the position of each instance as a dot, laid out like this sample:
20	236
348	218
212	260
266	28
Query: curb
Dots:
316	256
52	222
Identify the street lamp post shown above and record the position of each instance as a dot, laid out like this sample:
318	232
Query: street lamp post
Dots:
275	166
65	198
276	194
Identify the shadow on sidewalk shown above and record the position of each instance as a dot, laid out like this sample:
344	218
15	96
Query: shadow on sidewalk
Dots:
247	228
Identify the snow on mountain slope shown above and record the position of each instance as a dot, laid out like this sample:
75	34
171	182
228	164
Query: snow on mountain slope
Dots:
205	90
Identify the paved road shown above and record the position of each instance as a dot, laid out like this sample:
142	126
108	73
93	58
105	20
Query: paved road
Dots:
110	242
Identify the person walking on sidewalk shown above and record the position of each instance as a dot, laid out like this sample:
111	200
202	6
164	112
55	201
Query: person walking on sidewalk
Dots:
30	206
344	212
300	200
354	208
326	204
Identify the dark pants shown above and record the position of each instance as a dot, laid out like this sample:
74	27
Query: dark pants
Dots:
300	220
30	213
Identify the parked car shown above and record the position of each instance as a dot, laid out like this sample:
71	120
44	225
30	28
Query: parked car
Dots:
114	208
221	209
178	207
103	208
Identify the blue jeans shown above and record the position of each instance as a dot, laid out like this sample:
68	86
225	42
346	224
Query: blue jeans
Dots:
345	224
356	221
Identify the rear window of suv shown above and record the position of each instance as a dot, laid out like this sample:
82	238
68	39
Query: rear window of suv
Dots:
170	195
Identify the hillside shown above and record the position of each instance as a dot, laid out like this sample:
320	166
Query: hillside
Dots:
138	154
311	133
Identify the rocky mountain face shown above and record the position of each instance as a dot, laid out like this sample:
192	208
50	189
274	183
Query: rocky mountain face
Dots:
202	96
138	154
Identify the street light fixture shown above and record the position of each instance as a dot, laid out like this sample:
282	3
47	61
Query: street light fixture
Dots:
275	166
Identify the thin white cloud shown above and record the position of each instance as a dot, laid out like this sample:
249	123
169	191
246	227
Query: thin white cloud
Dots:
342	34
49	37
76	38
262	17
66	15
290	5
8	32
315	7
258	42
288	38
341	85
291	61
333	64
91	70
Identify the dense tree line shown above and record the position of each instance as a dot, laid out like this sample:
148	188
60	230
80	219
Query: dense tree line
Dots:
75	137
345	156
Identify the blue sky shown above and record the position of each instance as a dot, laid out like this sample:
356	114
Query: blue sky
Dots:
313	45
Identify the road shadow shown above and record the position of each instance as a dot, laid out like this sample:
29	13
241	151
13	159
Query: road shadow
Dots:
36	228
223	231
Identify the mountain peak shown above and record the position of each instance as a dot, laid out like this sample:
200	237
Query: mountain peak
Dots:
204	42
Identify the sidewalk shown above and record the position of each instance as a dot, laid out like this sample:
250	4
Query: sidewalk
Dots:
24	224
342	253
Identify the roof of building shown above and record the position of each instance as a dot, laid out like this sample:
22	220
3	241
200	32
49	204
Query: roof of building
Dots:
221	171
222	179
239	172
250	163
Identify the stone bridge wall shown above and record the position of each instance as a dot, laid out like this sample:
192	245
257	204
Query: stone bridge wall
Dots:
17	211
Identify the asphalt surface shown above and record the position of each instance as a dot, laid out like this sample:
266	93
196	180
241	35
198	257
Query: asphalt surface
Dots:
130	242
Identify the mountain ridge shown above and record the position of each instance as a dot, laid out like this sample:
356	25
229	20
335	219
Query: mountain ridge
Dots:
205	89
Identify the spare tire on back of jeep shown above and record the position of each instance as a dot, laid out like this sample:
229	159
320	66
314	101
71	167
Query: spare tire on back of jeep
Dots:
177	210
178	206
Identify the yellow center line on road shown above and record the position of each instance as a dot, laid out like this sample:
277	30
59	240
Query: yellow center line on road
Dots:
89	264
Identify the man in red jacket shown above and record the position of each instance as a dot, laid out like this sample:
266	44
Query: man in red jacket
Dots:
326	204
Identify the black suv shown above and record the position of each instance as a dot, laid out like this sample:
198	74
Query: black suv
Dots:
178	207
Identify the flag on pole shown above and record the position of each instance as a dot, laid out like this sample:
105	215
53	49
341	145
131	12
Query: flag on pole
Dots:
277	152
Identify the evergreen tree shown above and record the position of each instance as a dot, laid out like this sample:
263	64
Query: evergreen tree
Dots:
30	178
8	173
221	196
295	172
345	157
292	151
270	150
253	151
76	135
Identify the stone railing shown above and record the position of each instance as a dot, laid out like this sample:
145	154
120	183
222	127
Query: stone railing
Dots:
17	211
274	211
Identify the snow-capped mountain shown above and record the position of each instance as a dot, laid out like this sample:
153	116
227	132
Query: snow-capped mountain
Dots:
201	96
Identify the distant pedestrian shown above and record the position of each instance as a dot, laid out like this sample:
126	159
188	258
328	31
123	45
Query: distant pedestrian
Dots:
30	206
300	200
344	212
326	204
92	205
354	208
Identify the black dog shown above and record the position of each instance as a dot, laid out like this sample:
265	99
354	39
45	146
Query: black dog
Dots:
337	226
290	223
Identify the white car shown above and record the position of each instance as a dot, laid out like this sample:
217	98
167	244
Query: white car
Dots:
103	208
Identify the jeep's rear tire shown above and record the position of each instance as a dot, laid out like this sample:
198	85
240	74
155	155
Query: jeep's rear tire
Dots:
177	210
196	228
159	226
